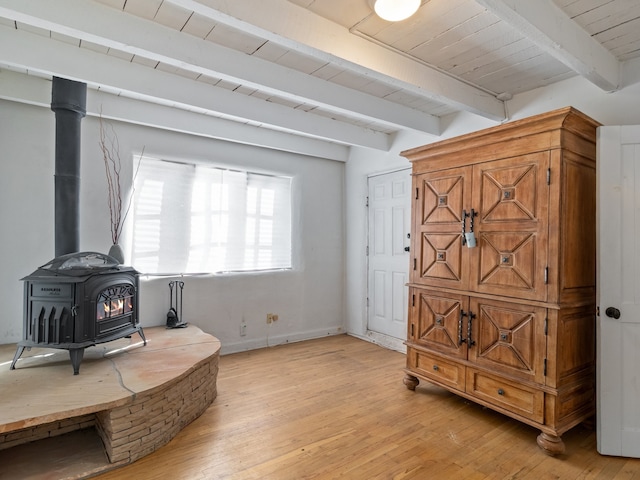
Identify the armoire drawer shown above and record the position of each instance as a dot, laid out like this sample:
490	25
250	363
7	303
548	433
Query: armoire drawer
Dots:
436	368
511	396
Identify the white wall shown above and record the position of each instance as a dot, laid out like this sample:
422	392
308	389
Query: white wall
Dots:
308	299
618	108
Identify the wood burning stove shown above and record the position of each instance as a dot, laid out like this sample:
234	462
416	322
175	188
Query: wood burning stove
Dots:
77	301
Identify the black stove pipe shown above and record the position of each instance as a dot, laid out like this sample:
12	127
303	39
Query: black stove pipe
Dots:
68	101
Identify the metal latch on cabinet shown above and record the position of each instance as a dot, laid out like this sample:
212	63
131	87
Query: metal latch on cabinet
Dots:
468	238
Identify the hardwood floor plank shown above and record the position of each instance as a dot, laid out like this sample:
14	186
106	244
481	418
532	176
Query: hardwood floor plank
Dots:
336	408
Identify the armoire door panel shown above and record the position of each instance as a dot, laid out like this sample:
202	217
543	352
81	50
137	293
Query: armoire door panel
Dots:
442	197
509	193
441	322
441	259
509	338
438	253
511	227
507	264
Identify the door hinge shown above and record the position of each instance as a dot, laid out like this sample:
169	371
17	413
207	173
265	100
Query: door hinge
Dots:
545	368
412	330
417	194
413	300
548	176
546	275
367	202
546	326
367	251
367	302
414	263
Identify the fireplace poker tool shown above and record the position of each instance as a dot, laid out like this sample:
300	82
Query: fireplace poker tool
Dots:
174	320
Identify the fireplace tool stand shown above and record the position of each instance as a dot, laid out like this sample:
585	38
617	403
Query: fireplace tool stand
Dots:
174	316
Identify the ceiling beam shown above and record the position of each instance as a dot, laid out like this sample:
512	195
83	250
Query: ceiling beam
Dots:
112	28
545	24
41	54
301	30
32	90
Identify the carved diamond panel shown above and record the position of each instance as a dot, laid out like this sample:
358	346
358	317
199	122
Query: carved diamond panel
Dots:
509	338
439	322
508	260
506	337
509	193
441	256
442	200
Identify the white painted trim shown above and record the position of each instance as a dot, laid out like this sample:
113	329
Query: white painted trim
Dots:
386	172
386	341
275	340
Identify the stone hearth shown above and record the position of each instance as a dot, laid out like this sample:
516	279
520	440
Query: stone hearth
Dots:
136	398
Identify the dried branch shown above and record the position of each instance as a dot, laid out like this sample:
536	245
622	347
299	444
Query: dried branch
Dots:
110	147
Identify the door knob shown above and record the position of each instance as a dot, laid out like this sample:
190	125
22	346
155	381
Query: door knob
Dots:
612	312
406	249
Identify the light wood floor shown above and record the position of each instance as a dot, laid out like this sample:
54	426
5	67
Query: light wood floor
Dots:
337	408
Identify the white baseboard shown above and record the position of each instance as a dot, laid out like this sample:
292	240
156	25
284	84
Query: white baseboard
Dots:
272	341
385	341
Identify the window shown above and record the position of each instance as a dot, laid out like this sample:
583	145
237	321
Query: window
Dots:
194	218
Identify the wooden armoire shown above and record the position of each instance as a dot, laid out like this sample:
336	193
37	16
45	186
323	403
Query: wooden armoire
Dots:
502	275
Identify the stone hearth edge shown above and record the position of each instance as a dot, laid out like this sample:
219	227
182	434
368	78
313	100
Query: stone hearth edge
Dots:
137	397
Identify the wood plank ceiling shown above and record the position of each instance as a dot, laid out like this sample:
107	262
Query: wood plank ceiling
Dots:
329	70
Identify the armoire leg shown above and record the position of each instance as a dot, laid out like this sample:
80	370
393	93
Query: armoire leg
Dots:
410	381
551	444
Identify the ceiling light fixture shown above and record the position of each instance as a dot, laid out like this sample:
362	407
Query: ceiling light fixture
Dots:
395	10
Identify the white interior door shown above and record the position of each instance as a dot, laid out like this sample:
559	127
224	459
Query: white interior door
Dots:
388	261
618	323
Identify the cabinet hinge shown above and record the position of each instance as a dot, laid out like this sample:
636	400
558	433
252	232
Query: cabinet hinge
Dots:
546	275
414	263
546	326
545	367
412	330
417	194
413	300
548	176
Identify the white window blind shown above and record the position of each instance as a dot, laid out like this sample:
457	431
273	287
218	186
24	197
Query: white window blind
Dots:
192	218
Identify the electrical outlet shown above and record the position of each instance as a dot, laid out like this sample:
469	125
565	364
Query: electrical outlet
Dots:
271	317
243	329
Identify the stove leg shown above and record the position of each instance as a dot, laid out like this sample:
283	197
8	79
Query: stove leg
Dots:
141	332
16	357
76	355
